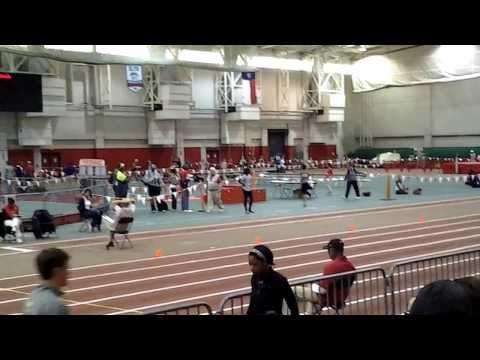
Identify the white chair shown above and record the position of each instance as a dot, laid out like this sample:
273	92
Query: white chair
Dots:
85	225
123	228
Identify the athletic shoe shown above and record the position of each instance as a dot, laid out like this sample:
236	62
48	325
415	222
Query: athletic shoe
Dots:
19	240
345	197
357	197
189	211
251	211
246	212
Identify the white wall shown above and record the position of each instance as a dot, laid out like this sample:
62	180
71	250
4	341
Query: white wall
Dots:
409	116
203	89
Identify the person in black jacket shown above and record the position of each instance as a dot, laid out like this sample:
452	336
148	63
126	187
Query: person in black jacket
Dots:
88	211
269	288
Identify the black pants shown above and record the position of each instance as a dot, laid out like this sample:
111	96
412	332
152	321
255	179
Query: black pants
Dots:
174	199
121	190
247	195
95	215
355	187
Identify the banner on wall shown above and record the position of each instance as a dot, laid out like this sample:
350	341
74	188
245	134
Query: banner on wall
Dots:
249	87
134	77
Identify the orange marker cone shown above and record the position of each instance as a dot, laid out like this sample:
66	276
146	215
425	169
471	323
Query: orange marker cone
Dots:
422	219
258	240
159	253
353	228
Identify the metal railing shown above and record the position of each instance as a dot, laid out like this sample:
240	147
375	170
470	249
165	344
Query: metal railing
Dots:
358	292
407	278
187	309
56	202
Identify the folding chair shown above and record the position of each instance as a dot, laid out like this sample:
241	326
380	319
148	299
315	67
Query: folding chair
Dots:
123	228
85	225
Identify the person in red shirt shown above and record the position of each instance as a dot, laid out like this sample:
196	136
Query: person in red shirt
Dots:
329	292
329	177
334	292
29	170
11	215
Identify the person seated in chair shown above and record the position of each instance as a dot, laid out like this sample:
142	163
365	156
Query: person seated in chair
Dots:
88	211
122	208
401	189
331	293
473	180
11	215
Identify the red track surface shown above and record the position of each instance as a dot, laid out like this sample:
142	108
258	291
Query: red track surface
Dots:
133	286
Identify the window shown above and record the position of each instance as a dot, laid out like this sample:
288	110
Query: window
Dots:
136	51
79	48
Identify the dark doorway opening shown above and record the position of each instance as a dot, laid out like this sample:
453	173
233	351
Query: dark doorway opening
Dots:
276	142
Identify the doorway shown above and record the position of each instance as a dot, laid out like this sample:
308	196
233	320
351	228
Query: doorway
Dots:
50	160
213	156
276	142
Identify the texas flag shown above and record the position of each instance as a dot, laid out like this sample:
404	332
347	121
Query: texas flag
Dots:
249	88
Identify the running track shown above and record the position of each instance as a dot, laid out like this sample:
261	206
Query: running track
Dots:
144	284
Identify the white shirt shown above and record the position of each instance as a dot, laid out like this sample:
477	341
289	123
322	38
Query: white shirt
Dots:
213	182
246	181
122	212
88	203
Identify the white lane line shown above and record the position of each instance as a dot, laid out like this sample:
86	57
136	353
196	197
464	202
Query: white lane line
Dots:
301	219
269	242
18	249
231	291
316	243
149	291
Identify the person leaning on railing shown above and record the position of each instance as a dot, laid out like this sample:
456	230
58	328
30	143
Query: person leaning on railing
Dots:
269	288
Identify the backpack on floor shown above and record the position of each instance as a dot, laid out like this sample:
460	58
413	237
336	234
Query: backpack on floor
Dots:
163	206
42	222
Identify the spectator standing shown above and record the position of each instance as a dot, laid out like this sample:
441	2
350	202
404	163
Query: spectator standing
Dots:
351	179
214	182
120	181
153	181
246	180
28	171
269	288
184	185
46	299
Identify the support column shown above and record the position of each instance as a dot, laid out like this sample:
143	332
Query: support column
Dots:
306	137
290	148
203	153
3	151
179	140
427	137
264	144
37	158
99	130
340	149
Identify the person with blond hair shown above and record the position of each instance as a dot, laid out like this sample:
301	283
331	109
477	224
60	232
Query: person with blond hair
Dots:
214	181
